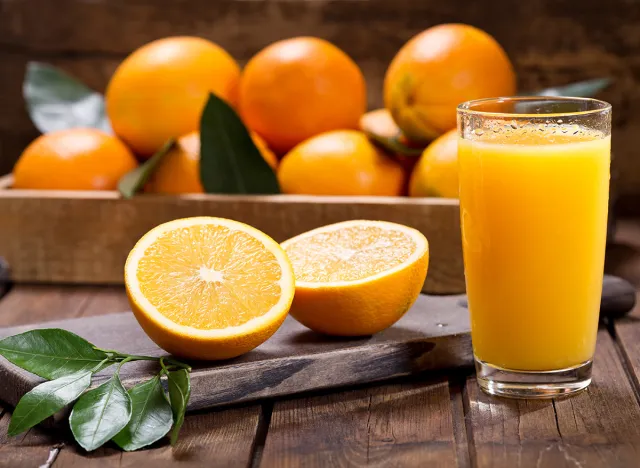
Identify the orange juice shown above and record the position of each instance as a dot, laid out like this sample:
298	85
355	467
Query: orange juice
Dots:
534	207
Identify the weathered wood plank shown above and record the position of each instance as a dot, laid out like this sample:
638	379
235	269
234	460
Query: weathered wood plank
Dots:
465	451
30	449
595	428
400	425
600	426
36	303
223	438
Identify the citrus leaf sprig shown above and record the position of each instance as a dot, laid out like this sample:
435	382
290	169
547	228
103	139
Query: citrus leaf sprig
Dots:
132	419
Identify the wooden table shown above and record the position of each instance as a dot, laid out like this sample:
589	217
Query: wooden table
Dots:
434	420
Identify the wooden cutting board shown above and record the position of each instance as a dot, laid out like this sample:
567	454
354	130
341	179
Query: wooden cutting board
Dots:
434	334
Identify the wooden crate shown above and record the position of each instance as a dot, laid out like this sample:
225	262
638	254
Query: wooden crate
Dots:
85	236
550	42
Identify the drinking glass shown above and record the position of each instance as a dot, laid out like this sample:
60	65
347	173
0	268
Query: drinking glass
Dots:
534	190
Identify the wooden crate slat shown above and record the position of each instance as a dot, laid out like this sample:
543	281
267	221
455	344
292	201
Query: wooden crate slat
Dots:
85	237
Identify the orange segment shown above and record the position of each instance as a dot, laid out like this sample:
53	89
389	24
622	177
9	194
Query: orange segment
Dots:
208	288
357	277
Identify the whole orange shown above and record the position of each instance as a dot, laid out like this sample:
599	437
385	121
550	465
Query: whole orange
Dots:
342	162
298	88
75	159
436	174
179	170
439	69
158	92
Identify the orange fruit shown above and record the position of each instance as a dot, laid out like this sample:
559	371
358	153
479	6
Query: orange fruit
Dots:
357	277
436	174
298	88
208	288
342	162
380	123
158	92
179	170
439	69
74	159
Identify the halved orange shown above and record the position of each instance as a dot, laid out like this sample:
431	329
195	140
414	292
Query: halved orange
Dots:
357	277
208	288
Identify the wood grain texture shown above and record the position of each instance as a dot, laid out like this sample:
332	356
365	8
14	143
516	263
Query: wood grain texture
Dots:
402	425
223	438
624	259
54	236
88	39
25	450
595	428
432	335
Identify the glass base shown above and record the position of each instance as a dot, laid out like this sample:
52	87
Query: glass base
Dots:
532	384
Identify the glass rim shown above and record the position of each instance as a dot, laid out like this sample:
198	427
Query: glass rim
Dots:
465	107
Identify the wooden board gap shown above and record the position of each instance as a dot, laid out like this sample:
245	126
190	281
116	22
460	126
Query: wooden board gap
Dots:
460	430
471	444
261	434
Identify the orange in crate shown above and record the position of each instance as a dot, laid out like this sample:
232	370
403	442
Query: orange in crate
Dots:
75	159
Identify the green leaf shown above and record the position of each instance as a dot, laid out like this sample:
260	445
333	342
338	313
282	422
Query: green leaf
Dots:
179	393
587	88
229	160
132	182
56	101
100	414
151	416
47	399
51	353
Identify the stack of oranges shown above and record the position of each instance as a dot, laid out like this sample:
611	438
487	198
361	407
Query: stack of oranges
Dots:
304	102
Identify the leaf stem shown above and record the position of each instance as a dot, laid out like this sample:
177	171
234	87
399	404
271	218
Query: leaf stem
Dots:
95	369
118	356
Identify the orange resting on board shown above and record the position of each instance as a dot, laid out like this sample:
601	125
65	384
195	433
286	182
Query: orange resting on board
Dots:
208	288
357	277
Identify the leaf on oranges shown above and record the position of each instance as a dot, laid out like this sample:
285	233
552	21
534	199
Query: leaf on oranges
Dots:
57	101
230	162
132	182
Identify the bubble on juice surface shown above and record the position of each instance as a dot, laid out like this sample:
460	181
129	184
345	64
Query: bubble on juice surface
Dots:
536	133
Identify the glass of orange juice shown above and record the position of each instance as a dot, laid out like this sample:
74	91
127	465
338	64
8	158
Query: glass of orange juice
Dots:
534	190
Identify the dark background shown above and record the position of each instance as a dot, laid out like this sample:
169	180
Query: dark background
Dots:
551	42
